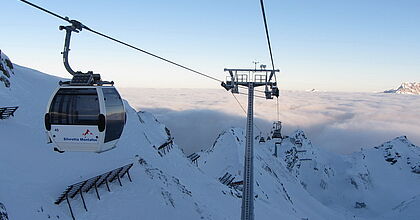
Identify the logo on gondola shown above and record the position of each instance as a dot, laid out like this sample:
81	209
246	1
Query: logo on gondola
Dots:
83	139
87	132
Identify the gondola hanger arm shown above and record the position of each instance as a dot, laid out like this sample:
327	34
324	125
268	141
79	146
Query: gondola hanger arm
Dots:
76	27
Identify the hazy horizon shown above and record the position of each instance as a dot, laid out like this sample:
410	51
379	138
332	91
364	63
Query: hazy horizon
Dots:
342	122
327	45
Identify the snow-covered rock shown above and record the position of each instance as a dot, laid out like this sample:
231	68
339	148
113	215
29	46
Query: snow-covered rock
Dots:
367	185
412	88
3	212
6	70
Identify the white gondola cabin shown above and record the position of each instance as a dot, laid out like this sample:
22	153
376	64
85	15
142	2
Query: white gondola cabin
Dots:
86	113
85	118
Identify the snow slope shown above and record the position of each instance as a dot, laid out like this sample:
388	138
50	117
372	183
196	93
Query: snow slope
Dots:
33	175
168	186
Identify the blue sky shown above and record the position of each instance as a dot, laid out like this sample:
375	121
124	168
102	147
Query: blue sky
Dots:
360	45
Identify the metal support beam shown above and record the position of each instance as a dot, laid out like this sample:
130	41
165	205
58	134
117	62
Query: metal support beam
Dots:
276	145
107	185
97	193
119	180
75	27
129	177
83	199
247	212
251	70
71	210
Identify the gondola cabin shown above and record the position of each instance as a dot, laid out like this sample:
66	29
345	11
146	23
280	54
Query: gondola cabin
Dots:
277	129
85	118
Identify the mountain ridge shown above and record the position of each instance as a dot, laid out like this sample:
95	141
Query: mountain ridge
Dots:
412	88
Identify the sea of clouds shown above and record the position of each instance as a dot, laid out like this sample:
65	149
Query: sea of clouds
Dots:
337	121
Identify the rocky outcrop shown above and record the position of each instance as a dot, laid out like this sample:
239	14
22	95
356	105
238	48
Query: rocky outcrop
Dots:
3	212
6	69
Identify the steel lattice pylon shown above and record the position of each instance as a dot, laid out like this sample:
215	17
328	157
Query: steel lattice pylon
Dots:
250	80
247	212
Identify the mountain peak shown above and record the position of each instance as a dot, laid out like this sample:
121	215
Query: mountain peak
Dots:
412	88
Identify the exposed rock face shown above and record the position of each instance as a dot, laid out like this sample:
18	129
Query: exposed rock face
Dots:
406	88
3	212
6	69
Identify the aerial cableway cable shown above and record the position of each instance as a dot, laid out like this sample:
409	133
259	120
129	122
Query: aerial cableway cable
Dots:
119	41
243	109
82	26
268	39
269	48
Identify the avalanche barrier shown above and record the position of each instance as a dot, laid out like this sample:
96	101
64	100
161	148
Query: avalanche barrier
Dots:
6	112
93	183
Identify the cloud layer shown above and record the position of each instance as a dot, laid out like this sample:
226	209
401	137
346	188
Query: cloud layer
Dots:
341	122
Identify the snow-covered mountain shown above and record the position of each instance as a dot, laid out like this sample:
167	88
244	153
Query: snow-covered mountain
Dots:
406	88
302	182
378	183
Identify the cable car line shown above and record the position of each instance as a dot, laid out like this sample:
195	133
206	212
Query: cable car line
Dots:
268	39
243	109
79	24
269	48
45	10
154	55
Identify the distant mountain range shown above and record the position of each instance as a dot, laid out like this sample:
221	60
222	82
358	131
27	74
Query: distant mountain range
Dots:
406	88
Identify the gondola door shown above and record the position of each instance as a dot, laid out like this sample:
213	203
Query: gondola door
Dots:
115	117
75	116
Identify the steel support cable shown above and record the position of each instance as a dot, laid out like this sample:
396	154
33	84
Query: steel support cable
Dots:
131	46
120	42
268	40
45	10
243	109
269	48
153	55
